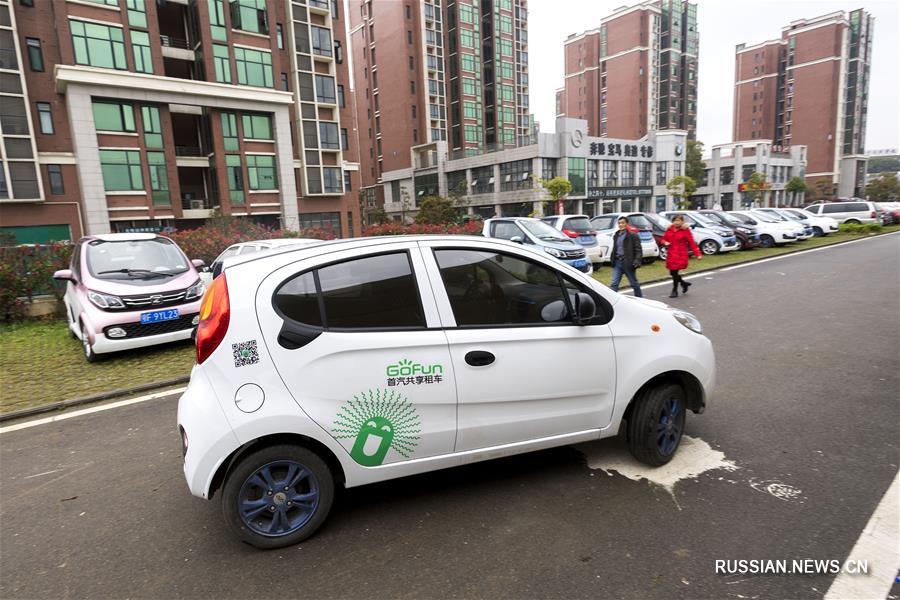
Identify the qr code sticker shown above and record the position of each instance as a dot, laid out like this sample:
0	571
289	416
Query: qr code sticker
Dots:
245	353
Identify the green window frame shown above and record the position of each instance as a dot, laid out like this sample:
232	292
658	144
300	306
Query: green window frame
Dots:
159	179
506	24
121	170
465	14
235	175
509	137
254	67
137	13
466	38
576	175
470	109
222	61
98	45
472	133
257	127
506	47
152	127
261	173
230	132
509	115
113	116
505	4
506	69
217	20
470	86
140	45
507	92
106	2
249	15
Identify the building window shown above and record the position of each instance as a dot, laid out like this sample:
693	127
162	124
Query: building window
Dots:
332	180
261	172
726	175
340	96
644	173
325	89
98	45
470	86
257	127
627	173
472	133
412	87
467	38
329	221
253	67
576	176
610	173
222	62
45	117
35	56
409	37
121	170
348	182
329	138
339	52
314	180
112	116
662	175
137	13
235	177
230	131
284	82
217	20
249	15
483	180
321	41
279	35
54	175
152	127
515	175
548	168
345	144
140	45
159	179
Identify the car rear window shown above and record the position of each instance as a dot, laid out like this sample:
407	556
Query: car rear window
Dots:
639	221
578	225
603	222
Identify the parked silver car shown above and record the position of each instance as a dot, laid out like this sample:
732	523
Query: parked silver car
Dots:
847	212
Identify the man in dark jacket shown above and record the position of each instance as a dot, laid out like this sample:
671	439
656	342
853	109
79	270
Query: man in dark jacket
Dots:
626	257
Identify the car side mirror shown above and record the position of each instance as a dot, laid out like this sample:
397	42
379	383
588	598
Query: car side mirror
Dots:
64	275
517	239
585	308
198	263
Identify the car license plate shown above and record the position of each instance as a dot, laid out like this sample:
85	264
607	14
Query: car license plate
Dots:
581	262
587	239
646	235
159	315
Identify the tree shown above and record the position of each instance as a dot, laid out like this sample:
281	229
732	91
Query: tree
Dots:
795	186
436	210
694	167
558	188
682	187
376	216
757	186
880	164
883	189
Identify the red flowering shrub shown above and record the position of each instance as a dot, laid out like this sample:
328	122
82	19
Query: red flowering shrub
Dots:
470	228
26	272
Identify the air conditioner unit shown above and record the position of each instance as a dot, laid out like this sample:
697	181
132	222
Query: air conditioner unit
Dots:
196	204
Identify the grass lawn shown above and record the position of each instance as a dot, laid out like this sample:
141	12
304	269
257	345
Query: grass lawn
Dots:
41	363
657	270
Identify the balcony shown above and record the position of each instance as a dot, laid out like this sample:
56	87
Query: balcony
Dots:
175	33
198	200
191	137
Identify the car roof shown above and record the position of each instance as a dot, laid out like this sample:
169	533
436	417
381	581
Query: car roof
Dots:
122	237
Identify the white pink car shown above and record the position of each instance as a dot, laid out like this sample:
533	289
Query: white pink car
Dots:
126	291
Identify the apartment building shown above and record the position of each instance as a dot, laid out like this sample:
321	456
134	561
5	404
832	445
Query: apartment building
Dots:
729	166
438	70
125	115
636	72
810	87
607	174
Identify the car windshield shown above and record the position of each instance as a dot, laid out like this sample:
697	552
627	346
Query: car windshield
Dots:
659	221
744	218
775	216
766	218
578	225
639	221
703	219
136	259
542	231
799	214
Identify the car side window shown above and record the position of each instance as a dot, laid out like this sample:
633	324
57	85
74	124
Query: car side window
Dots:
506	230
602	223
832	208
371	292
75	265
492	289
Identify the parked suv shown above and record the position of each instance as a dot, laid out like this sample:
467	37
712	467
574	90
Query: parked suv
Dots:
608	224
847	212
357	361
537	235
130	290
597	245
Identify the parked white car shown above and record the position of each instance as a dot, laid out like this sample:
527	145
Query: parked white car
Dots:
820	225
856	211
804	231
245	248
608	224
355	361
771	231
598	246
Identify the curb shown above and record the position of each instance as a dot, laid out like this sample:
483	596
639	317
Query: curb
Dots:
751	260
64	404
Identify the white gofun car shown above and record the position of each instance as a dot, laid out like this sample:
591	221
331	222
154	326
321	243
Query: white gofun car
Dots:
355	361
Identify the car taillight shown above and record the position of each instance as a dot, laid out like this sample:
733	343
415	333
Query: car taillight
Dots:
214	316
874	214
570	233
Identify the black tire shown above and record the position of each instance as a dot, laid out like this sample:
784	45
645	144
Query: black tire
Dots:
853	222
709	247
248	466
817	232
645	420
767	241
663	252
86	348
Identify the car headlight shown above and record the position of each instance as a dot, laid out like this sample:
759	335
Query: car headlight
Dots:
744	230
554	252
195	291
688	320
105	300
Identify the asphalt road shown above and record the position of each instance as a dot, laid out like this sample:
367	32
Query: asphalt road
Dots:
808	352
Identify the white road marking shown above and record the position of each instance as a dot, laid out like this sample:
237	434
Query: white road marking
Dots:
878	544
694	457
88	411
778	489
44	473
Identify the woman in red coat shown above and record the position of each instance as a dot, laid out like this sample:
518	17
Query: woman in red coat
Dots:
680	242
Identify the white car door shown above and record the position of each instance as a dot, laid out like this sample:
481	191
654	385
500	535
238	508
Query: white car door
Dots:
356	337
523	369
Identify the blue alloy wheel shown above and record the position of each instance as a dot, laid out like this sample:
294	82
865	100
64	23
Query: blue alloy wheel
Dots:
668	430
278	498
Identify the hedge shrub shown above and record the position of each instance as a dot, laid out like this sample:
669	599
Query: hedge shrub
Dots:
860	228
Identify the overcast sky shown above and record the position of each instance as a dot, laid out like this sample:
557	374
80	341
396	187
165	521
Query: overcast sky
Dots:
723	24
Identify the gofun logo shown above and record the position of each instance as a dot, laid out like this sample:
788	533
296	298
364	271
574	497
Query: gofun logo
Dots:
405	368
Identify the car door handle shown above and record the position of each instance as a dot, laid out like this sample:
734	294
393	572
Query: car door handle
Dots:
479	358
